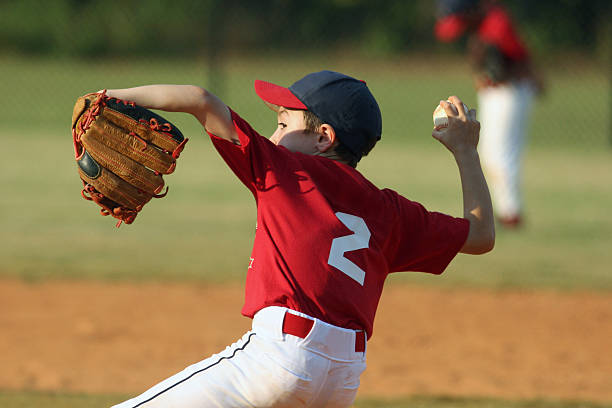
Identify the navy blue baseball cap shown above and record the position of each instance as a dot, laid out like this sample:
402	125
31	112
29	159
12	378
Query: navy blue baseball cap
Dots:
343	102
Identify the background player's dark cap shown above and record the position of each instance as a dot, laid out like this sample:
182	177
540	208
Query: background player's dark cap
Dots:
445	8
337	99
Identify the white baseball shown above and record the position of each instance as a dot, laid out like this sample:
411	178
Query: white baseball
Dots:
440	119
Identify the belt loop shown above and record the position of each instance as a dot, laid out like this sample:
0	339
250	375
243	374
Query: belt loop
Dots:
268	322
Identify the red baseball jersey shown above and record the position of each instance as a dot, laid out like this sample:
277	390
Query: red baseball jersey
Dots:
326	237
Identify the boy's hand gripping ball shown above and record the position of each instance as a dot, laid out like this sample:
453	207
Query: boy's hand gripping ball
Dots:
440	119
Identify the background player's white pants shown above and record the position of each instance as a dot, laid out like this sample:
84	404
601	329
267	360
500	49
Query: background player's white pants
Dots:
267	368
503	112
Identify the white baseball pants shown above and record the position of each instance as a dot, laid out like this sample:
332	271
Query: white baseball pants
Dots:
503	114
268	368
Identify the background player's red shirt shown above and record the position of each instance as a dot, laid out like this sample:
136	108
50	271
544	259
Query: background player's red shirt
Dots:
326	237
496	52
495	28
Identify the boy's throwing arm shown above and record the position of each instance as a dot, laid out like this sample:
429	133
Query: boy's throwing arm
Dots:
461	138
210	111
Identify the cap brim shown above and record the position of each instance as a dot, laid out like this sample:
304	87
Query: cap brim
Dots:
277	95
450	27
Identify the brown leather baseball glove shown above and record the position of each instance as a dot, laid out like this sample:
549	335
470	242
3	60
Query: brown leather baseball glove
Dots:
122	150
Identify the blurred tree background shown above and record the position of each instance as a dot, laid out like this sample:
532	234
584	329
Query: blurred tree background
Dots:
47	46
191	27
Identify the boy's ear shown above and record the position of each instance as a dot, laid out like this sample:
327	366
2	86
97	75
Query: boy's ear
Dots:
327	137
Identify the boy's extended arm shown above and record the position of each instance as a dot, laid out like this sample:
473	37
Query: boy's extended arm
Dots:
210	111
477	208
461	138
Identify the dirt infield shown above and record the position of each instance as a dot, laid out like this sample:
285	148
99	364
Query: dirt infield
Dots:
97	337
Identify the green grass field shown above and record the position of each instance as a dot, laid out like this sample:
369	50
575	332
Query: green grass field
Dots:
14	399
204	229
207	220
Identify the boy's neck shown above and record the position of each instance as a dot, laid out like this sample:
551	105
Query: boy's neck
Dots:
331	154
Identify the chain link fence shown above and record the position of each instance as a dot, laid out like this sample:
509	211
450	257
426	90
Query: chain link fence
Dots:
51	52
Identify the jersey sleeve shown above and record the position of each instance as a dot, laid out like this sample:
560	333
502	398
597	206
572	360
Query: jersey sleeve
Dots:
251	158
497	29
423	241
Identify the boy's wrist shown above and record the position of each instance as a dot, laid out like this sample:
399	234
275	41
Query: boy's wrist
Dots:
466	153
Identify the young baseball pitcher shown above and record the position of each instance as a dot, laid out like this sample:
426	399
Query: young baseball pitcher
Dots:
326	239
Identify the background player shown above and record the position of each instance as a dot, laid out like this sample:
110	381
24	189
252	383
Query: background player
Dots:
326	239
505	83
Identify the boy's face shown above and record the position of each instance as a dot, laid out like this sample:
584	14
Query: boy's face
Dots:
292	134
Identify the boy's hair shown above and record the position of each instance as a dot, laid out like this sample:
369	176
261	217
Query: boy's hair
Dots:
313	123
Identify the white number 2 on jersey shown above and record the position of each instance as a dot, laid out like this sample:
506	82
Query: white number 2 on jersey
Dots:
359	240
